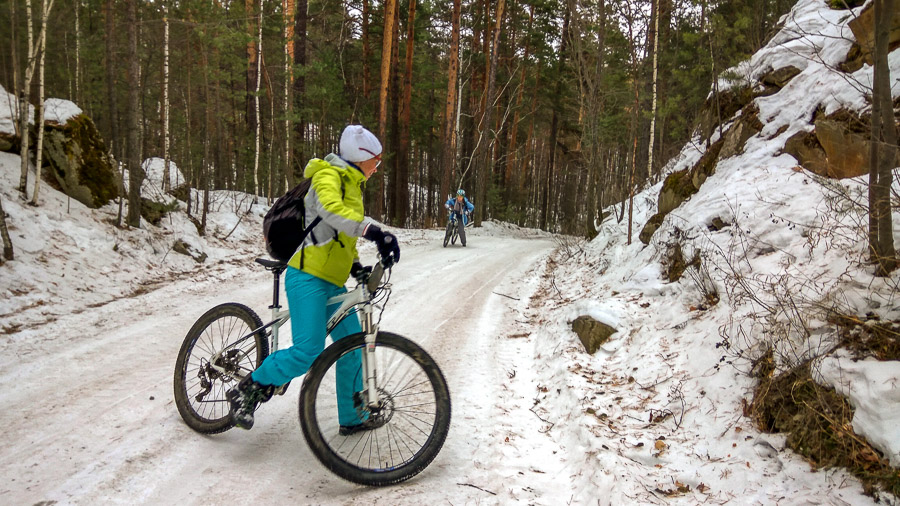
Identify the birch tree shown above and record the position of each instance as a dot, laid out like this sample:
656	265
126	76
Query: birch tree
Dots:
39	114
133	147
23	101
655	75
165	90
256	104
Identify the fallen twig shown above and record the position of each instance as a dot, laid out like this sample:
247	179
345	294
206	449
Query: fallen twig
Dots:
474	486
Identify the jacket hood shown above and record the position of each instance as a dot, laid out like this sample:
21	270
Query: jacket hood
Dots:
332	161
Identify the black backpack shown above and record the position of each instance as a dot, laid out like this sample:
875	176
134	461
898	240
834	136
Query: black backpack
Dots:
283	227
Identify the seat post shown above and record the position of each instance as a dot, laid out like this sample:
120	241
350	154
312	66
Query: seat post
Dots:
277	275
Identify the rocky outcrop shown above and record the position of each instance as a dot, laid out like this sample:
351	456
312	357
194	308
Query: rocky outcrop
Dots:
863	28
651	227
79	161
805	147
8	142
676	189
780	77
706	166
722	106
743	129
592	333
846	153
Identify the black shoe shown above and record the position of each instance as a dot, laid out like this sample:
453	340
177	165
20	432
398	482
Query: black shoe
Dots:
245	398
349	430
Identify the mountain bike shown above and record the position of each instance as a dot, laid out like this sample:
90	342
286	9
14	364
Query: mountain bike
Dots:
404	392
455	230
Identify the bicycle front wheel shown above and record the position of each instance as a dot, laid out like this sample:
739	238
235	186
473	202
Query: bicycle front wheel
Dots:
211	361
448	233
412	423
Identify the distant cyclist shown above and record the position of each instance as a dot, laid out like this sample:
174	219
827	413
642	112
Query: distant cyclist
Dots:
461	207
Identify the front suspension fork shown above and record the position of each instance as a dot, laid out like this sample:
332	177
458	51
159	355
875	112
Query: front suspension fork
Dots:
369	363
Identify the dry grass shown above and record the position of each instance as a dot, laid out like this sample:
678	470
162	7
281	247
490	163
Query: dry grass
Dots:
818	423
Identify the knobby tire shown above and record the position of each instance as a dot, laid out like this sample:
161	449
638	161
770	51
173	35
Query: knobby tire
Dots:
414	423
200	389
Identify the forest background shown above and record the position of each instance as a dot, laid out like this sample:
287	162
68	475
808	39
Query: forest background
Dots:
545	111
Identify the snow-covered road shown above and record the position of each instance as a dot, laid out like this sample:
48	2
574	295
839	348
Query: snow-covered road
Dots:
93	420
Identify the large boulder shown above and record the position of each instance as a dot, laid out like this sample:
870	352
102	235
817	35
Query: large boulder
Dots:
79	161
592	333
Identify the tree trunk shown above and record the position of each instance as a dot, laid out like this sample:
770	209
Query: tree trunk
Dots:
448	136
135	171
39	114
4	234
883	150
402	173
650	171
252	63
511	155
256	105
554	125
78	98
24	96
367	52
390	7
165	90
112	123
389	167
485	169
300	85
288	8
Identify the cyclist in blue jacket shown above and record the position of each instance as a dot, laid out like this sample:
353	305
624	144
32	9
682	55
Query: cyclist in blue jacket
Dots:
461	207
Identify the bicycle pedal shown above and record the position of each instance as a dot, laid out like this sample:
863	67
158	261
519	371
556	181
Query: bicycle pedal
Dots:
282	389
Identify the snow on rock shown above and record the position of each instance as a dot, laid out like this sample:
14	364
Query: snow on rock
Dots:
9	111
154	169
59	110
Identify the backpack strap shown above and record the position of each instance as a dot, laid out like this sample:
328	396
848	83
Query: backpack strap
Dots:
306	232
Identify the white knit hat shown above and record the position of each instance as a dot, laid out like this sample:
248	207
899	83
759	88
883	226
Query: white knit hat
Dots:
359	144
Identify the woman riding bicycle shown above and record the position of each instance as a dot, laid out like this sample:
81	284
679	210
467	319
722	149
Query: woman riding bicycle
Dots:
461	207
317	271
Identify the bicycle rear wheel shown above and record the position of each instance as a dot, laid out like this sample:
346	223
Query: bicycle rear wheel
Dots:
412	424
208	349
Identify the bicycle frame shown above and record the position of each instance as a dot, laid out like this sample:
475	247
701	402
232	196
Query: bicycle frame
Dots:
360	296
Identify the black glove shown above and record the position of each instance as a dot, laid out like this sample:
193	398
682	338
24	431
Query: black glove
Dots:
359	271
388	248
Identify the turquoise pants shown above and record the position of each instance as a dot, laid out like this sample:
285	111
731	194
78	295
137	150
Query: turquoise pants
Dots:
306	296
